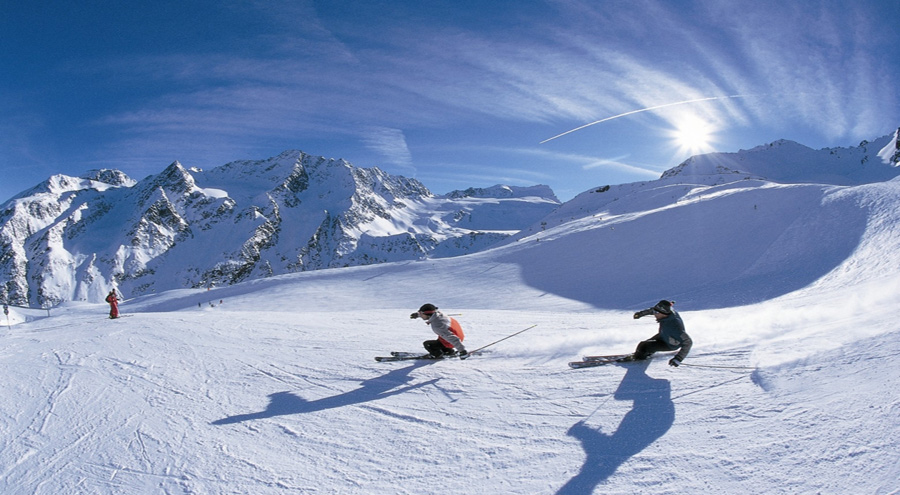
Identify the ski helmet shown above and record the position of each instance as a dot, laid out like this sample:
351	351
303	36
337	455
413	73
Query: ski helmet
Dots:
664	307
428	308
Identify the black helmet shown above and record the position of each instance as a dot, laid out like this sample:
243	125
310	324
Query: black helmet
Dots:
428	308
664	307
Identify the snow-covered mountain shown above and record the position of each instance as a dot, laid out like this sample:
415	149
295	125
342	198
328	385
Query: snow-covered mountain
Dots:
75	238
785	288
786	234
789	162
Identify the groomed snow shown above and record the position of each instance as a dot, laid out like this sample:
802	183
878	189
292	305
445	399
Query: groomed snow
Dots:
271	387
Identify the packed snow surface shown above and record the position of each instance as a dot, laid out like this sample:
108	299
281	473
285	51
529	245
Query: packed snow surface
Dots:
270	386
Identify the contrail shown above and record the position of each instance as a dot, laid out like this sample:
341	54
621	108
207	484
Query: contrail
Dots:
643	110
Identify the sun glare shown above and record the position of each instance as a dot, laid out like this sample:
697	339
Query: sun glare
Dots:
693	135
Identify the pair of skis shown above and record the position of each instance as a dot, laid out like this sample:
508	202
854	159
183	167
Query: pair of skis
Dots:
407	356
586	362
412	356
592	361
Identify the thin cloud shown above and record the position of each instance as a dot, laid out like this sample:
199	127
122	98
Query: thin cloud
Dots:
532	76
585	162
390	144
318	75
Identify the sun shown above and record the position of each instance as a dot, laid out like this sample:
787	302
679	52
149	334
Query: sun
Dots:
693	135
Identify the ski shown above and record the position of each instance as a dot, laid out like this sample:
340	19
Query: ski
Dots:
407	356
611	357
601	361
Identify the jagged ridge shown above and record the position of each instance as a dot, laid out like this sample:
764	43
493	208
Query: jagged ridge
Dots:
75	238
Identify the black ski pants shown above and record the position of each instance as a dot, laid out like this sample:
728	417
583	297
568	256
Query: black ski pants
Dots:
647	347
436	348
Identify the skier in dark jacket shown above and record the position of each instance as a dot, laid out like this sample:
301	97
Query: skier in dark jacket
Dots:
671	334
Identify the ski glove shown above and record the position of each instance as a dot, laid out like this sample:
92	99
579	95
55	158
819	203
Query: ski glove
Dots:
463	354
675	361
646	312
413	316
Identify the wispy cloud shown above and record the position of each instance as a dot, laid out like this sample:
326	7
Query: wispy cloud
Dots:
411	78
554	72
576	73
391	145
584	162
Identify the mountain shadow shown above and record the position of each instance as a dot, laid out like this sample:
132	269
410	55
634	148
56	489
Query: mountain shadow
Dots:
729	250
287	403
649	419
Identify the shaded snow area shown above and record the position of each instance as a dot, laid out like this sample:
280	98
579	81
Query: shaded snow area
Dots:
270	386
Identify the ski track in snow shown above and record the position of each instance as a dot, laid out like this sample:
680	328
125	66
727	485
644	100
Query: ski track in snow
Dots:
182	403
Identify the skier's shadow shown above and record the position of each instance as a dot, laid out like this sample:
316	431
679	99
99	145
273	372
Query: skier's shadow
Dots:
650	418
286	403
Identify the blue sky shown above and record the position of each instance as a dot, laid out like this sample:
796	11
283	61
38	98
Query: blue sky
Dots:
454	93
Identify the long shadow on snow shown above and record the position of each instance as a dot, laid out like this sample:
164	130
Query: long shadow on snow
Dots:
286	403
650	417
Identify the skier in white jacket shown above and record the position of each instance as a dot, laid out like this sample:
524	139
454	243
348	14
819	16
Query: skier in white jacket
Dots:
449	332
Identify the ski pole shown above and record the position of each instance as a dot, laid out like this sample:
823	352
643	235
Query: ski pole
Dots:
501	340
721	367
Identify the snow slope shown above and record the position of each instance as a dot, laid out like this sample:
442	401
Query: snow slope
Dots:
270	386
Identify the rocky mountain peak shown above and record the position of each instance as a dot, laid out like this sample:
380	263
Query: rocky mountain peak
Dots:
109	176
76	238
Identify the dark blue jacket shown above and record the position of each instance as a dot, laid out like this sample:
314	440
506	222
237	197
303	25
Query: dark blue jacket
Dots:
671	332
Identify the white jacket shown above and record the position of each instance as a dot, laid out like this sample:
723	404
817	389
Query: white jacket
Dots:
440	325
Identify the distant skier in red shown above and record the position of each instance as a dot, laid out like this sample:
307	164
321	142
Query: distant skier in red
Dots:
113	301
